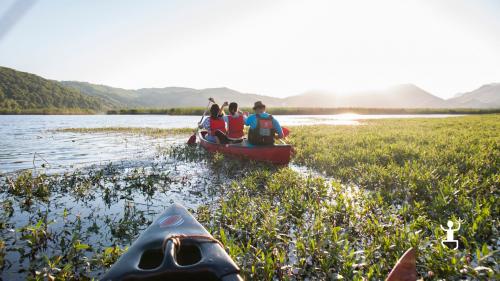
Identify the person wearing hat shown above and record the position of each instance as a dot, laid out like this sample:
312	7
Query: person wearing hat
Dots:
263	126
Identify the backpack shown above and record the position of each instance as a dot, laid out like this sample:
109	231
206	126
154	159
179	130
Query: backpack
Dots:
264	132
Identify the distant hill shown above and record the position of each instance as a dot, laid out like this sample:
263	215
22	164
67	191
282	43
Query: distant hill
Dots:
113	97
166	97
487	96
401	96
22	92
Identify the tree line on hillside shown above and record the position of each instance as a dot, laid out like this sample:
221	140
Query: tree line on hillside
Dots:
27	93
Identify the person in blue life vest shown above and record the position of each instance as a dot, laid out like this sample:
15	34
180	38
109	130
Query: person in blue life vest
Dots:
263	126
215	126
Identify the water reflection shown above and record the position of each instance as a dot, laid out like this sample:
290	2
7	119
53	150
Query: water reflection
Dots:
99	206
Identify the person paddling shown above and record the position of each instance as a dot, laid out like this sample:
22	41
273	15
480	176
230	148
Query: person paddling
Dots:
263	126
215	125
235	123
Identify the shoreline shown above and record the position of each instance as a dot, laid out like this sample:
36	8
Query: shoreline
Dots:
276	111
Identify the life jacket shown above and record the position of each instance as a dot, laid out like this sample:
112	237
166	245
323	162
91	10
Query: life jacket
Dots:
264	132
235	127
217	124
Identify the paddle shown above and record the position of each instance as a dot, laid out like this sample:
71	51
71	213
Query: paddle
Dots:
286	132
192	139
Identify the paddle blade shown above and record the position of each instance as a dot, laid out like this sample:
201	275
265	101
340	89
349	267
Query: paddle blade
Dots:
405	269
286	132
192	139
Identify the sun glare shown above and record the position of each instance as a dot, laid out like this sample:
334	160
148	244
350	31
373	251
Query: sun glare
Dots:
348	116
277	48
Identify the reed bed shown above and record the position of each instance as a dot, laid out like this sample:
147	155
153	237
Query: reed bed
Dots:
376	190
392	184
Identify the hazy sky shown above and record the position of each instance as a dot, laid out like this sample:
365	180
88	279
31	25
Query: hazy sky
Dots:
277	48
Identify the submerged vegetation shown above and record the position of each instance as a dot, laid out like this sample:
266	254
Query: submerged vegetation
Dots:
75	225
371	192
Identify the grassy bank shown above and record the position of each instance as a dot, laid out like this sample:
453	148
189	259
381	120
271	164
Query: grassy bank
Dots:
312	111
396	182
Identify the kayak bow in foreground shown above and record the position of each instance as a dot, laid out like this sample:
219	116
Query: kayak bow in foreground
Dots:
175	247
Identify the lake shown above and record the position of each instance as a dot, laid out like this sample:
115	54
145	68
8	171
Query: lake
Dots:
32	140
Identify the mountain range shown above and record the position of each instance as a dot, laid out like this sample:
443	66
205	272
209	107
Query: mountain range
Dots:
165	97
400	96
22	91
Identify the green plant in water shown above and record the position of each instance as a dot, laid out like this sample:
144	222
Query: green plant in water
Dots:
109	256
36	235
382	187
409	176
2	254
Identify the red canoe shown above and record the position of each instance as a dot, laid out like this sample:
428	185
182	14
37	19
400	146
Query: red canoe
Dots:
278	154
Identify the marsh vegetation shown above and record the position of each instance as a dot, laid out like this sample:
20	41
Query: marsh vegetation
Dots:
392	183
372	192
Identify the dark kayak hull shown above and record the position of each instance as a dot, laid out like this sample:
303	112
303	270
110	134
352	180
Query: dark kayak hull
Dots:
192	254
278	154
197	256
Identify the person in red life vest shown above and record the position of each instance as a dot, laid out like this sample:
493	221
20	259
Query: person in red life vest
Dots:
263	126
215	125
235	123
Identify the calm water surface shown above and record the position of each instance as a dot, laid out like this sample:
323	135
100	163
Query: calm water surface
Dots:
29	141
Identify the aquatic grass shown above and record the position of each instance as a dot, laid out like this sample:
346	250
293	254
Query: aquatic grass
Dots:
221	164
259	213
150	132
379	189
28	185
74	225
186	152
394	182
266	216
